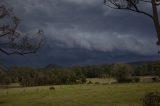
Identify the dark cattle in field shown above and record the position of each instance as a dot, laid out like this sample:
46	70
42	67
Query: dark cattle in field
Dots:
51	88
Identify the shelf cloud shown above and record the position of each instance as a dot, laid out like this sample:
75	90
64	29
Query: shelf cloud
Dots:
87	25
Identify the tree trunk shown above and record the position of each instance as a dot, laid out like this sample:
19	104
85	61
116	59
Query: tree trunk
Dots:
156	20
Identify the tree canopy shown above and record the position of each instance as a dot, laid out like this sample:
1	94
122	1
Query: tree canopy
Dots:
12	40
29	76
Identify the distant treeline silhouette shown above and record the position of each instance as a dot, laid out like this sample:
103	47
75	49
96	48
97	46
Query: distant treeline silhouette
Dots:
55	75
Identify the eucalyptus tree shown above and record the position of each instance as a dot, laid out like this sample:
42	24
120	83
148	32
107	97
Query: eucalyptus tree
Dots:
14	41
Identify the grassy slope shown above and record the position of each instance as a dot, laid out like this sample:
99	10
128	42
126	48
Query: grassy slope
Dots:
78	95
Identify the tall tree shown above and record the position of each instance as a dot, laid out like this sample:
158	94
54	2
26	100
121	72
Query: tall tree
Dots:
12	40
134	5
122	72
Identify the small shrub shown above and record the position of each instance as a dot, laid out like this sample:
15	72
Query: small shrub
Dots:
83	80
52	88
90	82
136	79
152	99
125	80
78	82
97	83
156	79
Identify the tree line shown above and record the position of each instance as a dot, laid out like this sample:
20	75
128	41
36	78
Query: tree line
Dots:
54	74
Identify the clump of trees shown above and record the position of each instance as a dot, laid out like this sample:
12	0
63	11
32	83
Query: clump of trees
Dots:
28	76
122	72
4	77
54	74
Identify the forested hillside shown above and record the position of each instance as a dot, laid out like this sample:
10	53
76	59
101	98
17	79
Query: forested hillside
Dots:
55	74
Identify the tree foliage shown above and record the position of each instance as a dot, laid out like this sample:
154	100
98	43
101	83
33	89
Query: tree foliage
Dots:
53	74
122	72
12	40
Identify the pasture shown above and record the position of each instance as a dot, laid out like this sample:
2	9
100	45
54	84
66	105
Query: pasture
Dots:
78	95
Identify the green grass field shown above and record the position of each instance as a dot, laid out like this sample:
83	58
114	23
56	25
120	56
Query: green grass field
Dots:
78	95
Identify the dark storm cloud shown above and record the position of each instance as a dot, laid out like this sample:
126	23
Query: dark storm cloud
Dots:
86	25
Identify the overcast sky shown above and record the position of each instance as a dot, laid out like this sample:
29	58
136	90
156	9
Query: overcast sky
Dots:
84	32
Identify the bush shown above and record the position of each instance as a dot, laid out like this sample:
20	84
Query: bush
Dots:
52	88
97	83
151	99
122	72
136	79
83	80
78	82
156	79
124	80
90	82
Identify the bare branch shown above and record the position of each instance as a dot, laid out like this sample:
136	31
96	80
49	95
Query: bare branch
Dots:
17	52
1	35
132	7
142	12
110	6
14	42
